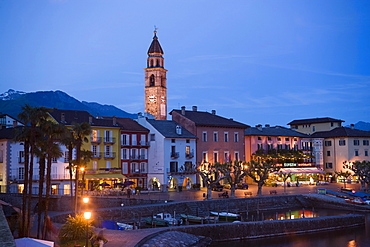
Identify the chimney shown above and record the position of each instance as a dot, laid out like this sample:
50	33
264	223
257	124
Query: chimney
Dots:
267	125
352	126
114	121
259	126
195	108
183	110
213	112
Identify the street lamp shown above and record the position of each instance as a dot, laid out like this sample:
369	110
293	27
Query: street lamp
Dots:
87	216
85	199
82	170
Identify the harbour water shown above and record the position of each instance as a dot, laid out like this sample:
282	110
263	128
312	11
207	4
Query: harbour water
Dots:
352	237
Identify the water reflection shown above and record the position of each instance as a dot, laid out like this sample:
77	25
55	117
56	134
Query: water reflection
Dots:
352	237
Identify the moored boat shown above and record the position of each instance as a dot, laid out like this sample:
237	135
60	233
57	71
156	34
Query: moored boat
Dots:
226	215
198	219
356	200
156	222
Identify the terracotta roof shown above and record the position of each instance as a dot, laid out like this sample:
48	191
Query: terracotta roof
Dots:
272	131
209	119
130	125
342	132
155	47
168	129
314	120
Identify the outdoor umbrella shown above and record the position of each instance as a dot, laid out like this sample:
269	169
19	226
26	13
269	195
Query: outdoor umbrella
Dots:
104	184
127	183
119	184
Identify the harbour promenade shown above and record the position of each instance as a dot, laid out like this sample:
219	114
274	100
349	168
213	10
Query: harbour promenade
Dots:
132	238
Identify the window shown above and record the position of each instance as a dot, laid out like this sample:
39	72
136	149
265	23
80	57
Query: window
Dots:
124	167
134	154
143	154
134	167
144	167
356	142
327	153
108	136
279	139
215	157
269	138
95	165
279	146
187	141
365	142
204	136
134	139
205	157
236	137
259	146
270	146
54	160
286	139
313	128
125	153
21	157
107	164
178	129
226	157
287	146
95	135
66	156
95	151
236	156
356	153
173	166
215	136
173	140
125	140
342	142
329	165
152	137
366	153
259	138
226	136
143	140
327	143
21	173
187	150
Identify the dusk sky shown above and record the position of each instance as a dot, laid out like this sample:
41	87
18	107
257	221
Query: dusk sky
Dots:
256	61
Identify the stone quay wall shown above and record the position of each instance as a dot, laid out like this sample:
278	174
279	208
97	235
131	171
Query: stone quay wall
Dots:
259	229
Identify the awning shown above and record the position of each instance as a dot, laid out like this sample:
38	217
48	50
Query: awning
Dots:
104	176
299	170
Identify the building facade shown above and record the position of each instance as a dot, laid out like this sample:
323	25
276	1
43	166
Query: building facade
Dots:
312	125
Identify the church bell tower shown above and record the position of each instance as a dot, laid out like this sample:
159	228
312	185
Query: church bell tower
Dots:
155	81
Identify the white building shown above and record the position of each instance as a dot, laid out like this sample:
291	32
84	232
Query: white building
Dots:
171	155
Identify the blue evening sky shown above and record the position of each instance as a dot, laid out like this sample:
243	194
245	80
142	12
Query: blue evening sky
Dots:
256	61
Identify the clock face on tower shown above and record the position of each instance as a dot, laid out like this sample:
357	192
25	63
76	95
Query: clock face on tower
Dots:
152	99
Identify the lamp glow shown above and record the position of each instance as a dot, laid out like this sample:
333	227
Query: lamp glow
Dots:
85	199
87	215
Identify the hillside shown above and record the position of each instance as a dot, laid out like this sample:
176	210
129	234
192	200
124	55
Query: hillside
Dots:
11	103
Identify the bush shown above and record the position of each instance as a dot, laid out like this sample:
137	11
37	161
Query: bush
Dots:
75	229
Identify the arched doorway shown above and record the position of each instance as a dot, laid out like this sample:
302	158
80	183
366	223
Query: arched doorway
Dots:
154	184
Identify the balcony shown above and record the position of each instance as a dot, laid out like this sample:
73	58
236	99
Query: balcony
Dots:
96	155
175	155
138	157
109	140
109	155
175	171
95	140
189	155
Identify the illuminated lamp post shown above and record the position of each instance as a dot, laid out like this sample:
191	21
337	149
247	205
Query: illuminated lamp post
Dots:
87	216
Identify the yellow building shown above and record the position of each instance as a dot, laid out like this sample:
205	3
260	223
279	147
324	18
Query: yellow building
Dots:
312	125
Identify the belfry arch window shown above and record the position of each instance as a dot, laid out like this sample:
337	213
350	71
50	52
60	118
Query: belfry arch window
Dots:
158	63
151	81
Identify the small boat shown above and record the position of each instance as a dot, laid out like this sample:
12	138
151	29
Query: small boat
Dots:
356	200
156	222
123	226
197	219
167	217
226	215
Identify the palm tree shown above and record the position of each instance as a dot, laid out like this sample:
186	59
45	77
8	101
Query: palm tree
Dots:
32	117
79	132
69	142
52	132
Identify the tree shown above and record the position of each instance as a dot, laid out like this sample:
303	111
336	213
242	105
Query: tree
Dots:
362	170
31	117
285	177
259	170
233	173
75	228
52	132
79	132
210	178
345	175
